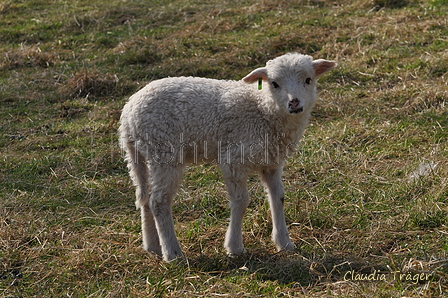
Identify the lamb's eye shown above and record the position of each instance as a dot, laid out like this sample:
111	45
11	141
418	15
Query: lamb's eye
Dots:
275	85
308	81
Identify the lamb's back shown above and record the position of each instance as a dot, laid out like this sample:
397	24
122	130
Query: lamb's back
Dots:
195	107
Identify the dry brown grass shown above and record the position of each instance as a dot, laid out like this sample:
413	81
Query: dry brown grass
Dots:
28	56
84	84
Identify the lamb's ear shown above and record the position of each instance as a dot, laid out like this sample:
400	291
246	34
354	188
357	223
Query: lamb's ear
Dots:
321	66
259	73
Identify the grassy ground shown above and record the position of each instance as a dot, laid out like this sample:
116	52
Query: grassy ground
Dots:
367	191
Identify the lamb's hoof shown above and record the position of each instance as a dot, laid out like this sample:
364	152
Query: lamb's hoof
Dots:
175	256
182	260
286	247
155	250
236	253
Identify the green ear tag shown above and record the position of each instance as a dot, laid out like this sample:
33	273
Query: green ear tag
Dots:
260	84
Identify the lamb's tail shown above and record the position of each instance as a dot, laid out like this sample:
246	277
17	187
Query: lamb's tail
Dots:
138	167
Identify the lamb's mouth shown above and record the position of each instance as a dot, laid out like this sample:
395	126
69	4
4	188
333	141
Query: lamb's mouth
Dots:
296	111
294	107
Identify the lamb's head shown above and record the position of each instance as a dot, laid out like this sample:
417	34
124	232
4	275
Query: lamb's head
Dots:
291	80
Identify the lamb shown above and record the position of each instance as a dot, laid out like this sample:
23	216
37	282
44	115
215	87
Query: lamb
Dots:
243	127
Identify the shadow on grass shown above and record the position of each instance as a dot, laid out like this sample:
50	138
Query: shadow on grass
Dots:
286	268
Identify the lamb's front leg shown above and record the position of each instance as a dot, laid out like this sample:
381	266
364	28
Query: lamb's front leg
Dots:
239	200
274	185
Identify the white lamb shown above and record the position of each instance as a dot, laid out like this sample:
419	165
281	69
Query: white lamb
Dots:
242	127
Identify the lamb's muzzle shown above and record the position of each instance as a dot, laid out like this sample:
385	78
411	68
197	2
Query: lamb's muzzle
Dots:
294	106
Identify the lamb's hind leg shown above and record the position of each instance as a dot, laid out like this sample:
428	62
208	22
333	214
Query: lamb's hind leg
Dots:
165	180
149	231
273	181
139	173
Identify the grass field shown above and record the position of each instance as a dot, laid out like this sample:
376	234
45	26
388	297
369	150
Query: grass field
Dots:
366	192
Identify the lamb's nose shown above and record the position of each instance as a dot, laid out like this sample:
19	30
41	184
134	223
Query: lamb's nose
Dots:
295	100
